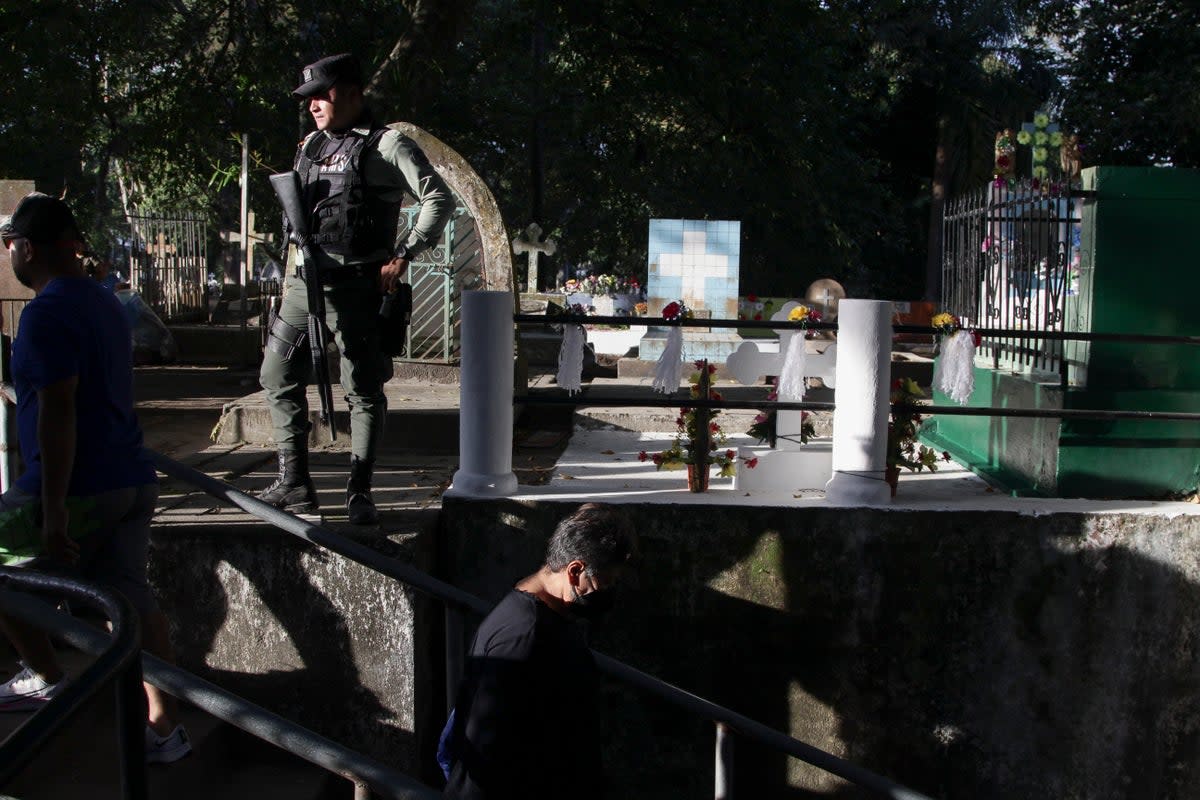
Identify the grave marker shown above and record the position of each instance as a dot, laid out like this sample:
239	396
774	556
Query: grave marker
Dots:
532	244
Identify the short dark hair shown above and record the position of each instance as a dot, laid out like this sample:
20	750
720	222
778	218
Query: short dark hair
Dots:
598	535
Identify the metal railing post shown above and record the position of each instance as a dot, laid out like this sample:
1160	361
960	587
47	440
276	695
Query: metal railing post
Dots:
723	768
455	654
131	720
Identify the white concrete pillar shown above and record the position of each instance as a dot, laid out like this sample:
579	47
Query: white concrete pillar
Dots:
862	397
485	419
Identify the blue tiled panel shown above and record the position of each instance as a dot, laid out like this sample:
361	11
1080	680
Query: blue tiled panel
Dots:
710	290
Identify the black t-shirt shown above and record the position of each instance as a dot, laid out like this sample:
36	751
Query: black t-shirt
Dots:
526	710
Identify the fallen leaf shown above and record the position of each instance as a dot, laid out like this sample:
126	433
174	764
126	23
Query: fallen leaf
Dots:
566	477
606	452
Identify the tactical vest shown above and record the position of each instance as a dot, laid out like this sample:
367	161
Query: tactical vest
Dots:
346	217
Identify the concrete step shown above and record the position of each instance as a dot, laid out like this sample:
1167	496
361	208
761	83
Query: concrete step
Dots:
422	415
81	762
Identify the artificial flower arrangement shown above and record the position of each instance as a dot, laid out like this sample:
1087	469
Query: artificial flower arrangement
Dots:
601	285
954	372
764	427
683	450
902	447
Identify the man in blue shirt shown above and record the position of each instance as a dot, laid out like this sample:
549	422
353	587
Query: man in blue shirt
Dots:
85	501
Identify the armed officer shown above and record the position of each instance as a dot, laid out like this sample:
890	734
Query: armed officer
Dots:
354	175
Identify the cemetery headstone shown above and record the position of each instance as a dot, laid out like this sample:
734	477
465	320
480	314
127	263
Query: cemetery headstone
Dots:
11	193
532	244
696	261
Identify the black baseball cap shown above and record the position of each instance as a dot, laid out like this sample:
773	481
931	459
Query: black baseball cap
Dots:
41	219
320	75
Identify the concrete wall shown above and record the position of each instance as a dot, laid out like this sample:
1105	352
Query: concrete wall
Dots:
966	654
314	637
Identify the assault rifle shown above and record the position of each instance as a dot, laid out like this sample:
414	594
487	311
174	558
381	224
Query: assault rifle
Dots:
287	189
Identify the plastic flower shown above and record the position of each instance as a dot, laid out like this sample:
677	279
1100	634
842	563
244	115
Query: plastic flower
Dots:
1039	154
945	322
671	310
798	314
1041	172
1041	137
1024	137
1056	139
1041	119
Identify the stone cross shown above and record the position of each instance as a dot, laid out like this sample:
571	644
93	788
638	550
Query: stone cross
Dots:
747	364
253	237
532	244
161	248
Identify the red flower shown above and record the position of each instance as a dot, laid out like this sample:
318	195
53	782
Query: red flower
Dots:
714	427
814	315
753	298
698	363
729	454
977	338
715	395
758	316
657	458
896	385
752	463
642	456
712	369
671	311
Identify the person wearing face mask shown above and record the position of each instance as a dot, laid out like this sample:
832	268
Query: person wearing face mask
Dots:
530	663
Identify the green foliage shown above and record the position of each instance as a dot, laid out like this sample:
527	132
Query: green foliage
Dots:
830	129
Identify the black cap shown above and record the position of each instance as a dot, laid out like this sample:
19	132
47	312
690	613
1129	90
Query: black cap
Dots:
320	75
41	219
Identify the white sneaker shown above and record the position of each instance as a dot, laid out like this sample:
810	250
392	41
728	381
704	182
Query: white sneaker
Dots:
169	748
26	691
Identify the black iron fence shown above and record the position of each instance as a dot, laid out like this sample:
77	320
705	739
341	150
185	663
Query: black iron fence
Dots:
1010	261
166	261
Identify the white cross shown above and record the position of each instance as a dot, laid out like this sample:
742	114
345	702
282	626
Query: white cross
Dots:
694	265
748	364
531	246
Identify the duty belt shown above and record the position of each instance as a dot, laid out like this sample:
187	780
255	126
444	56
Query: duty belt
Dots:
344	272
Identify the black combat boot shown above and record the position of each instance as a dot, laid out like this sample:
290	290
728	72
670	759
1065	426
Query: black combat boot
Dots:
360	508
293	490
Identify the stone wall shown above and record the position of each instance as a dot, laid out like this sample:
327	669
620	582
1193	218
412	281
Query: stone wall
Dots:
309	635
965	654
11	193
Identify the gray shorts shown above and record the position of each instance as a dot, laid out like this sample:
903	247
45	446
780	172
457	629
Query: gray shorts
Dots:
113	551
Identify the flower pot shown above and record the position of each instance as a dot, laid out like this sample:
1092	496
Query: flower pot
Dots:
892	476
697	478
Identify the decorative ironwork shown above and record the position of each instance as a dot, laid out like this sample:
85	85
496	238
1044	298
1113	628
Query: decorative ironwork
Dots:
1010	259
438	277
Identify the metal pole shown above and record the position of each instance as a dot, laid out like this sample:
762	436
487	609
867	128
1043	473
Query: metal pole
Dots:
131	719
245	245
455	654
723	769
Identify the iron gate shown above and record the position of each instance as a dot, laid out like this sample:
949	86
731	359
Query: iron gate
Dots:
438	277
166	260
1010	260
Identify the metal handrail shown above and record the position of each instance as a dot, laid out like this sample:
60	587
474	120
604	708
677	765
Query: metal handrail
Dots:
763	324
461	600
237	711
117	663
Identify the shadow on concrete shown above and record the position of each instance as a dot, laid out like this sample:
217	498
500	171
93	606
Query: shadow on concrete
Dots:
964	654
315	638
